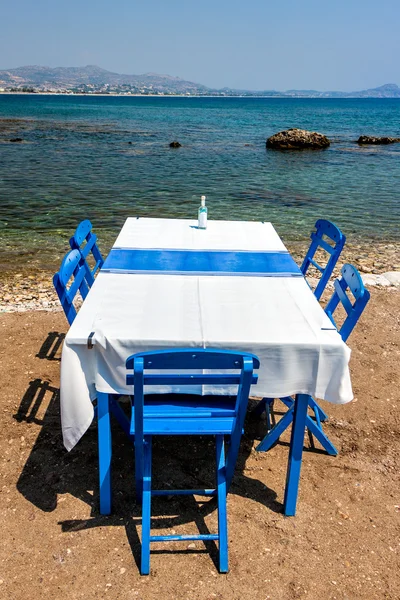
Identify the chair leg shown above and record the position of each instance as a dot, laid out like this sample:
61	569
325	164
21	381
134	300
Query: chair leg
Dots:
295	454
320	414
146	509
273	436
287	401
323	439
222	518
105	452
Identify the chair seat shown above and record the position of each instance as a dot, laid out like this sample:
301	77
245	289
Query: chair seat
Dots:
183	414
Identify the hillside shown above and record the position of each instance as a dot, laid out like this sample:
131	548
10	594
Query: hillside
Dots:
93	79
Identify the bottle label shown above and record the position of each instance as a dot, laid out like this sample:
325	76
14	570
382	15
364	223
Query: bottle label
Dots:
202	217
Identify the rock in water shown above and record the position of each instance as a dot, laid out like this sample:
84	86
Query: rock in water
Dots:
297	139
175	145
16	140
369	139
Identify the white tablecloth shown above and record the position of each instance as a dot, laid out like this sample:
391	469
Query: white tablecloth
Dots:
276	318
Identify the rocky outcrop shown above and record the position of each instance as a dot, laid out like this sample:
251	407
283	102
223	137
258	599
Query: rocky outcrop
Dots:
297	139
369	139
16	140
175	145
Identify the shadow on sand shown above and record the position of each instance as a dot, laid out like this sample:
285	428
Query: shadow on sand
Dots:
177	462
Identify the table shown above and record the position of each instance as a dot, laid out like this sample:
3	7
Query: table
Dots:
270	313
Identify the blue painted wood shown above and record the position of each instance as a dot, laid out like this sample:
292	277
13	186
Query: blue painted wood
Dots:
205	537
70	279
104	441
222	518
295	455
313	427
85	241
182	379
354	307
138	420
195	415
333	233
320	414
146	507
266	404
275	433
201	262
192	358
201	492
350	280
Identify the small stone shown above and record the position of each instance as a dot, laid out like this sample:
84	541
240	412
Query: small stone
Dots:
175	144
191	546
122	570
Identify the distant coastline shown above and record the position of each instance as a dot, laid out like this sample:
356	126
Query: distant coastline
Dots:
93	80
199	96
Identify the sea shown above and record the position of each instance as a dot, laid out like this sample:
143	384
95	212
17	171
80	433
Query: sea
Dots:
108	157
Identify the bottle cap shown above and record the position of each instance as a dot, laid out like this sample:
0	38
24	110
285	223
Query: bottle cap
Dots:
203	200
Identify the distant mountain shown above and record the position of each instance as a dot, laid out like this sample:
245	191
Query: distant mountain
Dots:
93	79
389	90
42	78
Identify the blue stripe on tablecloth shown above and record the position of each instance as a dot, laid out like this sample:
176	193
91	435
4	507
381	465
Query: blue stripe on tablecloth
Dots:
200	262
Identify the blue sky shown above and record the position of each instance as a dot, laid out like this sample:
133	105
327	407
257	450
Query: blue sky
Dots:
249	44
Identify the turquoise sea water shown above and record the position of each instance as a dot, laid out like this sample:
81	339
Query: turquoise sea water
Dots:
106	158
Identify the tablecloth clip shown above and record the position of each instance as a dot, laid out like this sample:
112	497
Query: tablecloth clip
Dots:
90	340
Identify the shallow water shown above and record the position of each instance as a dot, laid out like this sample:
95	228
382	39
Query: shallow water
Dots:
106	158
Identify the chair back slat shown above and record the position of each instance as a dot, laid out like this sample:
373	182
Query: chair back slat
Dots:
328	229
84	235
71	268
344	299
350	280
189	379
191	358
316	237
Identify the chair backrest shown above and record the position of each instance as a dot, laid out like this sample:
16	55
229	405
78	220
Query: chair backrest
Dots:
189	359
71	268
84	234
328	229
350	280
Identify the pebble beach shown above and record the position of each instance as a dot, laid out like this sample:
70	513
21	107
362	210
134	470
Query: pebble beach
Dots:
30	289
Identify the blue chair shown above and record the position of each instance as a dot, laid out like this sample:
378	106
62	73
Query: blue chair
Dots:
333	233
350	280
85	241
338	239
219	416
71	269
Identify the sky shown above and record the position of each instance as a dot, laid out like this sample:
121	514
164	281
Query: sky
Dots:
245	44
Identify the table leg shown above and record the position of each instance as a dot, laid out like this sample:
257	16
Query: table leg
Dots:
295	454
104	440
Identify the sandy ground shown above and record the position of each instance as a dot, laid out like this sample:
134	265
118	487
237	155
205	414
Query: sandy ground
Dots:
344	542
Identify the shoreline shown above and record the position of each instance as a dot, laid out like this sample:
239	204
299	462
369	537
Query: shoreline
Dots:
246	97
30	288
